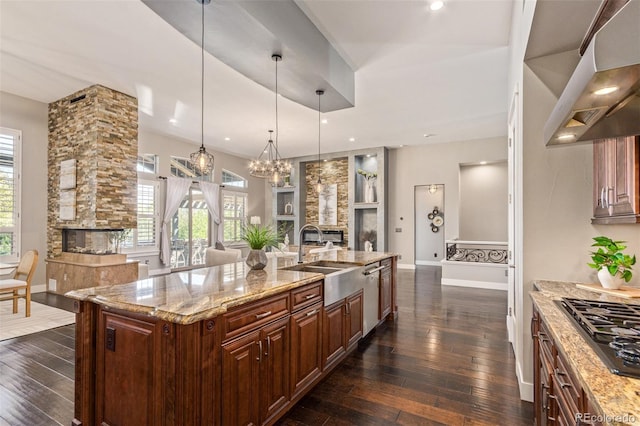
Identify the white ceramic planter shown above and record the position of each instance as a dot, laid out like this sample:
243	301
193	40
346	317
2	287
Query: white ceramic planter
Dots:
609	281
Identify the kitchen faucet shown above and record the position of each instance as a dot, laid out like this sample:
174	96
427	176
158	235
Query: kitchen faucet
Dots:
307	226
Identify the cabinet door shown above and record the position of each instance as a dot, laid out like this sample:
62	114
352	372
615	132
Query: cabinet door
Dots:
625	185
602	164
306	348
128	386
385	292
274	369
354	318
333	333
240	380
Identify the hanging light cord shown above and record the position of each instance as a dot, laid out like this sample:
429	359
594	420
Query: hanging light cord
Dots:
319	94
202	81
276	61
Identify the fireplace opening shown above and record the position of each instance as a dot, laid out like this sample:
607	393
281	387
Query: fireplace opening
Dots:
91	241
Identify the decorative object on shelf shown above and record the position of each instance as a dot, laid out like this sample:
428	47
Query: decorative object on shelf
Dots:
328	205
259	237
614	267
368	239
369	185
201	159
319	185
288	208
272	166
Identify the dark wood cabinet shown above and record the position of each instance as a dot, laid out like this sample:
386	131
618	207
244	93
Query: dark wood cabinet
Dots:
353	319
342	328
333	331
129	388
558	397
385	296
255	375
616	183
306	348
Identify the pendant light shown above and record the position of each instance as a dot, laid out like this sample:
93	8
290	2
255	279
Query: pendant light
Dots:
319	185
201	159
269	165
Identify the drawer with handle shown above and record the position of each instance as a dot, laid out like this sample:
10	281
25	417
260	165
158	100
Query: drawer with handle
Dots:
306	296
253	315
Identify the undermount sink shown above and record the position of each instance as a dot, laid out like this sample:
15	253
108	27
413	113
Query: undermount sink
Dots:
304	267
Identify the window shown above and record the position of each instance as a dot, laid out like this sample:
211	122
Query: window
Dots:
234	211
181	167
232	179
147	163
145	237
190	230
9	194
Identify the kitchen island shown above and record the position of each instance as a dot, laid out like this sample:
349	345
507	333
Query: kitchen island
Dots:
219	345
571	380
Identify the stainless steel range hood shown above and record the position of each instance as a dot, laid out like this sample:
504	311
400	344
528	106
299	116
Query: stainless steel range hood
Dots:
612	60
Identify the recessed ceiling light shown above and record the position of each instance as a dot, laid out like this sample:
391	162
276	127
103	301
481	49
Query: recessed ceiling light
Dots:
173	121
605	90
428	135
482	163
352	139
566	137
227	138
436	5
325	121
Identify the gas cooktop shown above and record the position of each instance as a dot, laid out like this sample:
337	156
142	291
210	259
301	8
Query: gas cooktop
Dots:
612	329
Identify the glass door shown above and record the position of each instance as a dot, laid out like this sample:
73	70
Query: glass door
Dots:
190	231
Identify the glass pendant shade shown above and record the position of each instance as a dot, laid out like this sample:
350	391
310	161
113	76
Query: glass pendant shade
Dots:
202	161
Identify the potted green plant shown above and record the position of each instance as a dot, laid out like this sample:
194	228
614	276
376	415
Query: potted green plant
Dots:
259	237
614	267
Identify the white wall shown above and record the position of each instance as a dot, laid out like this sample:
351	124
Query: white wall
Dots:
31	118
483	202
422	165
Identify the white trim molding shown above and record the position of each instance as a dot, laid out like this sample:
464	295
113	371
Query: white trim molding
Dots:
473	284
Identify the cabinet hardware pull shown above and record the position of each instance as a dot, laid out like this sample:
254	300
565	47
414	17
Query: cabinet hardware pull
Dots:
268	346
263	315
533	323
602	201
259	357
542	336
311	313
309	296
561	382
374	270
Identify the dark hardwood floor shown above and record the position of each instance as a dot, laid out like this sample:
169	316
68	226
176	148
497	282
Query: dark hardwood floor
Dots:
444	361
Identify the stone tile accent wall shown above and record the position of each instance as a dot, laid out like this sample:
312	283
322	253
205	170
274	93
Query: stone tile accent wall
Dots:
98	127
333	171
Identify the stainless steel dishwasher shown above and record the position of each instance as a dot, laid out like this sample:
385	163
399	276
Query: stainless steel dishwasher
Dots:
371	296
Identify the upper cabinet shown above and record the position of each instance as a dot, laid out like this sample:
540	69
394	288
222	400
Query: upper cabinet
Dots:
616	181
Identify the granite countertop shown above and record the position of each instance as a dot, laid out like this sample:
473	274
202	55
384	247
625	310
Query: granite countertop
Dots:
190	296
616	398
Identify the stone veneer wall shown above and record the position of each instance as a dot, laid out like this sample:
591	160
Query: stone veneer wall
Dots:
98	127
333	171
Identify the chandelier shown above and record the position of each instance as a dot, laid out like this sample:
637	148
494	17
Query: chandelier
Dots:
201	159
270	165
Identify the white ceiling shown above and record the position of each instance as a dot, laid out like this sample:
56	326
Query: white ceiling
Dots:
416	72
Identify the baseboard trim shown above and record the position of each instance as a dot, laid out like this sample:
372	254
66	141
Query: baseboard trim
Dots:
474	284
429	262
526	388
406	266
38	288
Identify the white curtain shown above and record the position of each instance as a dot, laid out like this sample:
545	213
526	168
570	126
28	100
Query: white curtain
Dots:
211	193
176	190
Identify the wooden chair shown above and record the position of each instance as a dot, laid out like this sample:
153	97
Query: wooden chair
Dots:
21	281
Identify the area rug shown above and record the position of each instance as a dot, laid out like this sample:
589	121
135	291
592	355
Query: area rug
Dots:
42	318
